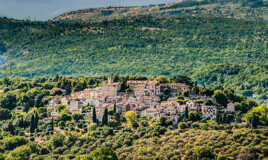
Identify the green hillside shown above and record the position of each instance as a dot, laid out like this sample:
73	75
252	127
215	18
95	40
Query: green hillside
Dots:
29	131
211	50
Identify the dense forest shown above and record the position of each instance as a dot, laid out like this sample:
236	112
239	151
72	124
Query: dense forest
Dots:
212	50
26	135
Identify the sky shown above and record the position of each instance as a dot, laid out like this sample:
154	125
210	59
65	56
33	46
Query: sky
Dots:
48	9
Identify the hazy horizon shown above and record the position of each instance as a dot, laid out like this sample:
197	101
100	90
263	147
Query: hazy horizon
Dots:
48	9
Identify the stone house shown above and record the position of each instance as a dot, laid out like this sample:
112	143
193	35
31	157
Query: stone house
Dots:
47	120
230	108
193	106
75	106
144	88
173	118
209	112
154	113
52	104
55	115
176	87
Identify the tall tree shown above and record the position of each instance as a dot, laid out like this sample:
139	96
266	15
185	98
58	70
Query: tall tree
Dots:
218	117
94	117
105	117
254	120
36	119
32	124
52	125
186	113
114	108
220	97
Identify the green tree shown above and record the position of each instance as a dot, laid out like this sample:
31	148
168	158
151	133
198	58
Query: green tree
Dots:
186	113
194	116
57	140
36	120
195	90
182	79
223	157
52	125
94	116
114	110
260	112
4	114
218	117
220	97
60	107
20	153
182	125
66	84
9	127
8	100
131	118
32	123
65	115
185	93
77	116
203	153
103	153
162	79
105	117
254	120
117	117
11	143
6	81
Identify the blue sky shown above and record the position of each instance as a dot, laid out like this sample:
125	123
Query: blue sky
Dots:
47	9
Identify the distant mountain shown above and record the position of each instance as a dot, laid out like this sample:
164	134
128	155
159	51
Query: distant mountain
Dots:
248	9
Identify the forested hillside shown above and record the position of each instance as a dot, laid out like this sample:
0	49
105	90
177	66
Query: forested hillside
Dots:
211	50
29	129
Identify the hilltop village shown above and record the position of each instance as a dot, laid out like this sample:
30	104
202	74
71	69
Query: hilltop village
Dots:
142	96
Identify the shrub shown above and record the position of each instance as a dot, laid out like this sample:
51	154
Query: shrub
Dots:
203	152
103	153
4	114
57	140
13	142
182	125
223	157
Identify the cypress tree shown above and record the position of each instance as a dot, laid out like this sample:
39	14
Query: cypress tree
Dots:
94	117
117	117
32	124
105	117
36	119
52	125
254	120
218	118
114	108
186	113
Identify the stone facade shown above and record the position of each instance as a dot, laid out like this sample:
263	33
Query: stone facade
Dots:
145	100
209	112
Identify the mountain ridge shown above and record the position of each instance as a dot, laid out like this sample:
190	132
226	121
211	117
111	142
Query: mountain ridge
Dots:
227	8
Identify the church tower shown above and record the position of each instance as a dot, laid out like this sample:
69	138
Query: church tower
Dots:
110	79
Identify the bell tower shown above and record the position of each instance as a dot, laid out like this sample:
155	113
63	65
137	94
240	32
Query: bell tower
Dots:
110	79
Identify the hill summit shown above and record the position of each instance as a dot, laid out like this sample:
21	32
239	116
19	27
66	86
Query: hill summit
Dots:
248	9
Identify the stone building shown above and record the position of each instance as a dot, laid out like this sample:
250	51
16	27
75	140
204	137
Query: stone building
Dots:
209	112
230	108
145	88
